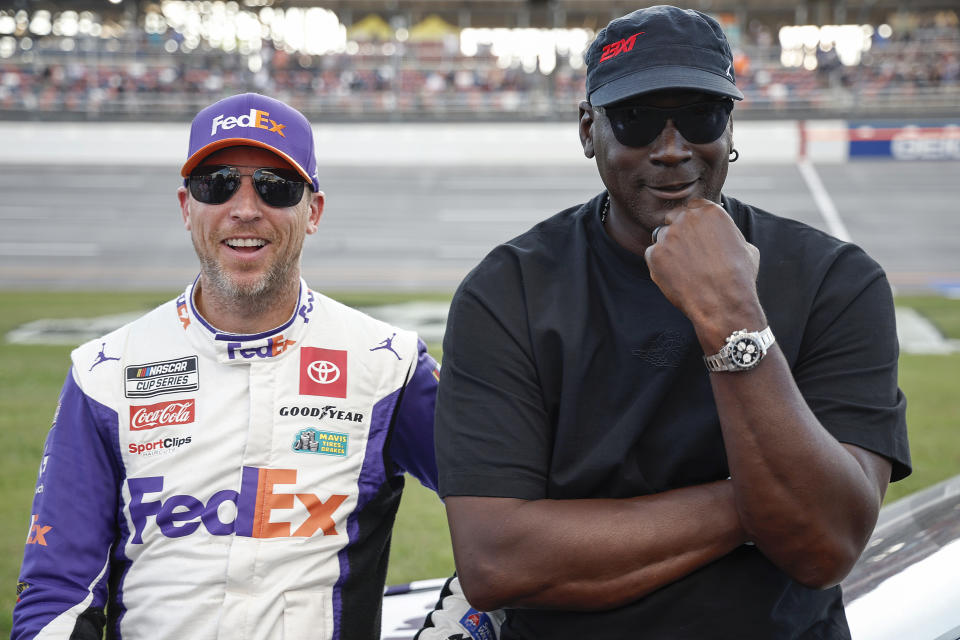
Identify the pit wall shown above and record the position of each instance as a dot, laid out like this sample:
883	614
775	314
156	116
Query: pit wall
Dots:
546	144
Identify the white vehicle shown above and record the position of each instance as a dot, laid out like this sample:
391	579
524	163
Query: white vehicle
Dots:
905	585
907	582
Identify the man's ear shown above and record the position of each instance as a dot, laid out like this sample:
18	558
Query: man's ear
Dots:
315	211
184	199
586	128
730	136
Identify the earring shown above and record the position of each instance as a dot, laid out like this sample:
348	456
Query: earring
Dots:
734	154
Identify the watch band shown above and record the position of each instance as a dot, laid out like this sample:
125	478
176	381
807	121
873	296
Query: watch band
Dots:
743	351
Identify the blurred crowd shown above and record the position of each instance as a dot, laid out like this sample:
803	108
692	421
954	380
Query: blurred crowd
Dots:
917	66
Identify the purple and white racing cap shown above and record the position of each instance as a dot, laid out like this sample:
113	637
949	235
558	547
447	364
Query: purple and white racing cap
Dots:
250	119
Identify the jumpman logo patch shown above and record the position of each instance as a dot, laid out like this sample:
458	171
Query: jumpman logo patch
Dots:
102	356
388	345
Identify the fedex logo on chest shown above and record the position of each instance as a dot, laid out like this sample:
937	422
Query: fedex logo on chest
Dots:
248	512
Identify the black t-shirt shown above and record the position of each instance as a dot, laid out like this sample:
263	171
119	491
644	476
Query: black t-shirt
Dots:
567	374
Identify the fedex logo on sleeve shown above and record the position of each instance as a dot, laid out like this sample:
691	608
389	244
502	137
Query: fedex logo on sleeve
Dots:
255	118
249	514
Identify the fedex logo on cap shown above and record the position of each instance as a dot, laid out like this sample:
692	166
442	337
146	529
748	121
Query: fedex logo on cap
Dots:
256	118
251	512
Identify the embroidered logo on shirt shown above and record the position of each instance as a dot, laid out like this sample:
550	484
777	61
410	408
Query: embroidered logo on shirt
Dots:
329	443
306	308
387	343
162	414
167	376
37	532
323	372
102	356
330	411
182	311
620	46
158	447
663	350
267	348
252	515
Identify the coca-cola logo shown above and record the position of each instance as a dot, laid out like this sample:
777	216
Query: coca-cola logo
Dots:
162	414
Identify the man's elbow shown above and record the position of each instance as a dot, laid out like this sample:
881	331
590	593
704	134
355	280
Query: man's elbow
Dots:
819	566
487	585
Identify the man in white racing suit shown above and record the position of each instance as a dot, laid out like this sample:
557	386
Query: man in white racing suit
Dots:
230	464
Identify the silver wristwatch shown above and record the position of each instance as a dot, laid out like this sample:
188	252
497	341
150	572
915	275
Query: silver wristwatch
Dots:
744	350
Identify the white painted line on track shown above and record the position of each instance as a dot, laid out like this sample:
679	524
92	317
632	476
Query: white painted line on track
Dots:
72	249
823	200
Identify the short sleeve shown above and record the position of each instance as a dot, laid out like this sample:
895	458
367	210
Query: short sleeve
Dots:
492	431
847	366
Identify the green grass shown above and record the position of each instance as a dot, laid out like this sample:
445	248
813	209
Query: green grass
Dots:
30	378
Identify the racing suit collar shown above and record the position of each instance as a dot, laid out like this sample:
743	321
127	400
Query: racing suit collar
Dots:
247	348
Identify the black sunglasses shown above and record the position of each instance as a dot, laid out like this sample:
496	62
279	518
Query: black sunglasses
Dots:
217	184
698	123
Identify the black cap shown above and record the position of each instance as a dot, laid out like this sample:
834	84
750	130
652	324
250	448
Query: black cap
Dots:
659	48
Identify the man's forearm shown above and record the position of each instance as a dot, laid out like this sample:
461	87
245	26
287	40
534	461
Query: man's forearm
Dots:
587	554
808	502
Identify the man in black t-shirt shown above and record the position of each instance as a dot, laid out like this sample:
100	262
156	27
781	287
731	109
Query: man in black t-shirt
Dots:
665	413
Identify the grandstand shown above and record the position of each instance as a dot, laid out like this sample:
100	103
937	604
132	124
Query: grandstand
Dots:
423	60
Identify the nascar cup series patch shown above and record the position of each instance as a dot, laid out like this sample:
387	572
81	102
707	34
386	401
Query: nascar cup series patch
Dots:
167	376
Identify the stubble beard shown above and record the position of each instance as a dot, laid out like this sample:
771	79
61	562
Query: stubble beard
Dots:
249	298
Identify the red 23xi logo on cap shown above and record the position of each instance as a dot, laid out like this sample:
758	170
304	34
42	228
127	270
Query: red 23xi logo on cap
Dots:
323	372
620	46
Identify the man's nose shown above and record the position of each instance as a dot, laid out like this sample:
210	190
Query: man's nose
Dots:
670	148
245	203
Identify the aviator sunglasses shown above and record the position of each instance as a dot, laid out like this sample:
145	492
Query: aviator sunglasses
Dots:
216	184
698	123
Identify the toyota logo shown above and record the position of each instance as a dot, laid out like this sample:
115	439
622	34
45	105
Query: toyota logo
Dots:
323	372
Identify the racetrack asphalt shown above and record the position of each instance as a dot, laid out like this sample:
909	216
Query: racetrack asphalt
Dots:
421	228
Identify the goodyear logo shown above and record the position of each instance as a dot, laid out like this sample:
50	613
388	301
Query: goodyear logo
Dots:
328	443
168	376
255	118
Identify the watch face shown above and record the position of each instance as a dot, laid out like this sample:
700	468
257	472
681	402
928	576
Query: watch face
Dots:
745	352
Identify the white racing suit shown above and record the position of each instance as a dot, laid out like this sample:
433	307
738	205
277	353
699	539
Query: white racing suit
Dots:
197	484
